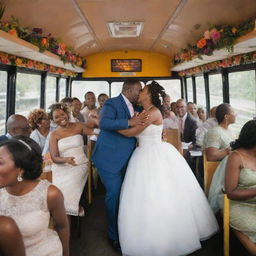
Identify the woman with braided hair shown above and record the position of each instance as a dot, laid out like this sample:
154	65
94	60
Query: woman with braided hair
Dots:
163	211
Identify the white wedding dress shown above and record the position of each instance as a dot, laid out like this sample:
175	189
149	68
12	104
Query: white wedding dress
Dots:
68	178
163	211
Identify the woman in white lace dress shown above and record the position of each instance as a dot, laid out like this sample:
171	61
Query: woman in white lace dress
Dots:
69	168
30	201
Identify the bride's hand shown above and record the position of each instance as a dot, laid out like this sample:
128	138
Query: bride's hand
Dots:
139	119
70	160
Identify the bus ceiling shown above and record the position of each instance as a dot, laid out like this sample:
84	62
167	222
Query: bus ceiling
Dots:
162	26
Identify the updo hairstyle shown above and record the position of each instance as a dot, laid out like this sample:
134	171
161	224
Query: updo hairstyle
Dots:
26	154
247	138
56	106
157	92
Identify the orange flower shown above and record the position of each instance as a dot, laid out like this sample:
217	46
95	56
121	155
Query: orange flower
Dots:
234	30
201	43
18	62
44	41
13	32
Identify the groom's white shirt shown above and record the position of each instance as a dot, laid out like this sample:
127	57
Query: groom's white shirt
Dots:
129	105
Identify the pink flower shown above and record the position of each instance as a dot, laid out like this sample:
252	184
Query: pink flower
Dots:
207	34
215	35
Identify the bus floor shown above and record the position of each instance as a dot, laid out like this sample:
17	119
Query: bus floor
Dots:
90	239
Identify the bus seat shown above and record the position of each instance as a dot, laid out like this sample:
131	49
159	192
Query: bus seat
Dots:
226	227
89	180
209	169
172	136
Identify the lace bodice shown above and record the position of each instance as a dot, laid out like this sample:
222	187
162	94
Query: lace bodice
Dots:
30	211
73	146
151	135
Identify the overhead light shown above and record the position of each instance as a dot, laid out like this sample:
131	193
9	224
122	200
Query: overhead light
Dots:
125	29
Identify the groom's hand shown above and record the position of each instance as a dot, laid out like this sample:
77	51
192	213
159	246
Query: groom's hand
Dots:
138	119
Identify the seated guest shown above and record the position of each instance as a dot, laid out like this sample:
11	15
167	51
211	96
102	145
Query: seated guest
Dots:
201	115
16	125
192	109
101	100
186	123
173	107
76	116
40	124
240	183
167	101
68	101
31	201
9	233
89	108
203	129
217	139
169	118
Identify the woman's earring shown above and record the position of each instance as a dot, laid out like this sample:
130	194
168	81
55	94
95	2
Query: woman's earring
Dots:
19	178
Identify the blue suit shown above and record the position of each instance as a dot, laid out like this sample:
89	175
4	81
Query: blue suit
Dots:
111	155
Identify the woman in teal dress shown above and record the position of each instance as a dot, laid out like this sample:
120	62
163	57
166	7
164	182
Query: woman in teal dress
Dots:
217	139
240	186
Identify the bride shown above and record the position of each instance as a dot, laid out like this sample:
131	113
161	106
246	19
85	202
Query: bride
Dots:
163	211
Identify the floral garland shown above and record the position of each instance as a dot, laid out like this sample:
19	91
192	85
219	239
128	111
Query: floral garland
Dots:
9	59
43	42
216	37
230	62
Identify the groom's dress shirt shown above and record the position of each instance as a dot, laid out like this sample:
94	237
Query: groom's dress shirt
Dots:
129	105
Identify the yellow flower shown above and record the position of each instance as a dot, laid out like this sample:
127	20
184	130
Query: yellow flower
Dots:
18	62
234	30
221	30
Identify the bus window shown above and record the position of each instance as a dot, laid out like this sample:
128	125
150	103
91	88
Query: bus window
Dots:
28	87
62	88
3	90
190	90
200	92
79	88
116	88
242	91
172	88
50	91
215	89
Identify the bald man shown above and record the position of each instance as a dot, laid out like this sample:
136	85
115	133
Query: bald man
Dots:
16	125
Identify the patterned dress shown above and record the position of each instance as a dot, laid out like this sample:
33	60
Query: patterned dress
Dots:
30	212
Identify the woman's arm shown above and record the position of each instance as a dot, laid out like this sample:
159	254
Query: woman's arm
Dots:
153	117
215	154
56	207
54	151
10	234
232	174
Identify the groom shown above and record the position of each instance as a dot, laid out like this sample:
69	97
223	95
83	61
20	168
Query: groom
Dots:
113	150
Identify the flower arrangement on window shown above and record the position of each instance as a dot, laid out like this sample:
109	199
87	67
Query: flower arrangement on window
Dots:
216	37
233	61
9	59
43	42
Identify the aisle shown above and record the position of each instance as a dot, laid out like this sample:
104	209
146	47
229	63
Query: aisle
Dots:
93	242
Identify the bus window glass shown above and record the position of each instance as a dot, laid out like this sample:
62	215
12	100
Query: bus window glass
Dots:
172	88
50	91
80	88
28	87
190	90
62	88
215	89
242	89
200	92
3	90
116	88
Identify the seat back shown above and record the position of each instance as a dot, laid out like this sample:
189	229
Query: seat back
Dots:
173	136
226	226
209	169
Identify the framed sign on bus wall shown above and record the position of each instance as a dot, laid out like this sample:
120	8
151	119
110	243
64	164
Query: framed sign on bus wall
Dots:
126	65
